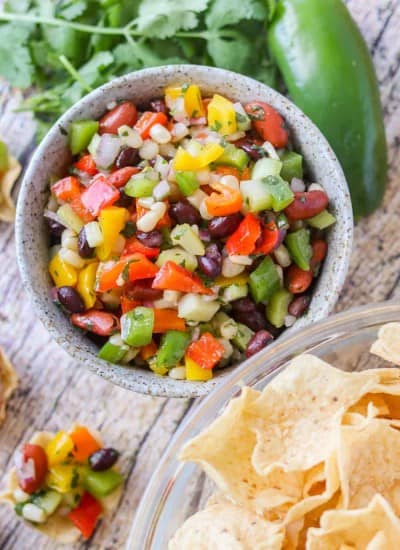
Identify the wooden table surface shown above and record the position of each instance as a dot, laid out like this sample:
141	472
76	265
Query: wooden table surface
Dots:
54	391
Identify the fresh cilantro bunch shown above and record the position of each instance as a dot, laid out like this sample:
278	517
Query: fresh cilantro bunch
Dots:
65	48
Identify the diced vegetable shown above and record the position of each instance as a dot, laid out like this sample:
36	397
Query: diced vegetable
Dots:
234	292
101	484
85	516
174	277
243	240
264	281
233	156
111	220
270	239
256	195
69	218
137	326
184	236
277	307
192	100
178	256
81	133
187	181
167	319
48	501
112	275
147	121
193	307
33	513
204	156
266	167
206	352
63	274
243	336
196	373
299	247
221	115
172	348
86	284
225	202
59	448
292	166
63	477
142	184
84	443
280	192
114	350
98	195
323	220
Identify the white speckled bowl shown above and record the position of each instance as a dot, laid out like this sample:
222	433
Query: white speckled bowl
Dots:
52	156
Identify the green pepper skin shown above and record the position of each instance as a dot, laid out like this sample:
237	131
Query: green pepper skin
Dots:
329	74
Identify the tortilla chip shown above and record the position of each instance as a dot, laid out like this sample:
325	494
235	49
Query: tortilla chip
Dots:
369	463
8	382
297	416
7	180
57	527
387	345
226	527
373	527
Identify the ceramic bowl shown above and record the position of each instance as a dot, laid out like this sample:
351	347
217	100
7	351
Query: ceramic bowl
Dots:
52	156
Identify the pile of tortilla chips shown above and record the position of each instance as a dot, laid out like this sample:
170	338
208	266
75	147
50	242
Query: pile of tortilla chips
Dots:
311	462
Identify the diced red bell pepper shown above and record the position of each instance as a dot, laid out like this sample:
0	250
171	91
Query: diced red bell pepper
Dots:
131	268
86	164
148	351
270	238
85	516
148	120
243	240
206	351
84	443
225	202
174	277
127	304
98	195
120	177
70	190
133	245
99	322
167	319
37	455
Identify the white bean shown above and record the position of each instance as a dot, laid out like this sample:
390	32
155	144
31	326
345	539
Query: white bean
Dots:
149	150
177	373
160	134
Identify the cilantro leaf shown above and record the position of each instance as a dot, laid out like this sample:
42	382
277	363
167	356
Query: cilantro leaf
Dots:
225	12
17	6
230	54
72	10
15	60
164	18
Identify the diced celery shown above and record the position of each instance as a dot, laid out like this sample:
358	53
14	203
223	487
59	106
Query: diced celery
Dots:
234	292
94	143
137	326
277	307
172	348
3	157
101	484
266	167
187	182
193	307
299	247
184	236
48	501
114	350
70	218
243	121
233	156
292	166
322	220
142	184
81	133
178	256
264	281
280	192
256	195
243	336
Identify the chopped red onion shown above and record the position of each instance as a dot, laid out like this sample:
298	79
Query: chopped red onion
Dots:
107	150
297	185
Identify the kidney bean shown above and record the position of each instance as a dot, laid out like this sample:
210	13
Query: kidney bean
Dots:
319	248
306	205
84	250
152	239
258	342
223	226
70	299
127	157
142	292
298	280
55	228
158	106
299	306
184	212
211	263
99	322
103	459
124	113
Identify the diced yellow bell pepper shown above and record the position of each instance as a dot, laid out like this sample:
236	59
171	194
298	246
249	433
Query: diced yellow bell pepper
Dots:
86	282
221	115
63	477
173	92
193	103
59	448
223	282
195	372
112	220
63	274
207	154
159	370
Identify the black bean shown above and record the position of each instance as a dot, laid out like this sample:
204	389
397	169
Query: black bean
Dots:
258	342
159	106
211	263
204	235
124	201
84	250
127	157
152	239
223	226
55	228
70	299
299	306
103	459
250	148
184	212
244	305
245	311
144	293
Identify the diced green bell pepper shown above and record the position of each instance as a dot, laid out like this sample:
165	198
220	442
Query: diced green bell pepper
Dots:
187	182
299	247
137	326
81	133
322	220
233	156
292	166
264	281
3	157
280	192
266	167
281	221
48	501
172	349
277	307
142	184
113	350
242	337
101	484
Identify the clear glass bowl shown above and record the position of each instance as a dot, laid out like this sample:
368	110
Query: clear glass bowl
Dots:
178	490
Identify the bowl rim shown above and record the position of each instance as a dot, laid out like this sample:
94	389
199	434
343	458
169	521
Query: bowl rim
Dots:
169	467
169	387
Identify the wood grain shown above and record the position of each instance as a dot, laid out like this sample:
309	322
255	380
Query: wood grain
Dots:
54	391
